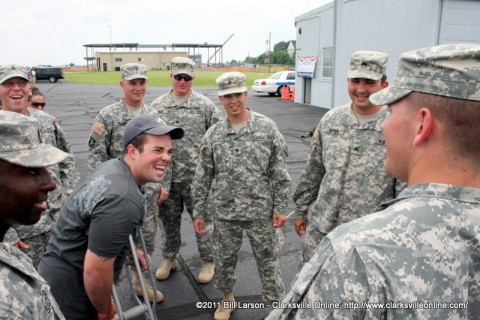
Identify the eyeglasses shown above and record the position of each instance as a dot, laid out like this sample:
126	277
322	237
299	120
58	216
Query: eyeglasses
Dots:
179	77
38	104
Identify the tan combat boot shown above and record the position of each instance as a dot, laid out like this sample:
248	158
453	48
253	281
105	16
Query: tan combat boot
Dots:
138	290
207	272
163	272
227	306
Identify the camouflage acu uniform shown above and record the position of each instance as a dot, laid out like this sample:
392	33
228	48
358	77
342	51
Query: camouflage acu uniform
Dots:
344	176
246	176
421	248
195	116
106	142
65	176
24	294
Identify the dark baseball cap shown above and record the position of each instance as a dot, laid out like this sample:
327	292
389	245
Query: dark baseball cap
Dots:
149	124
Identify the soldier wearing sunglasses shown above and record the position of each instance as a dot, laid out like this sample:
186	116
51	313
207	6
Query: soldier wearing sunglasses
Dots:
195	113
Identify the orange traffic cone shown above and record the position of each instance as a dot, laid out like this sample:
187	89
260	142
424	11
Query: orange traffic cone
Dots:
293	94
286	93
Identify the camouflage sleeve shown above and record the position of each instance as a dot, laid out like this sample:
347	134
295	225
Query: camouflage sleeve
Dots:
202	180
98	143
11	236
399	186
215	115
321	280
167	178
279	177
68	171
311	178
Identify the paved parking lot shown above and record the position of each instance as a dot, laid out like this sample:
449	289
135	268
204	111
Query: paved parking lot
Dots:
77	104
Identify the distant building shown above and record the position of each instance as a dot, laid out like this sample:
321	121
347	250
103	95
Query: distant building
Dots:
328	35
111	61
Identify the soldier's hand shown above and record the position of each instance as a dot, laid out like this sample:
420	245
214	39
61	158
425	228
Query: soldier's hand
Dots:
144	259
21	245
198	225
279	220
301	226
162	196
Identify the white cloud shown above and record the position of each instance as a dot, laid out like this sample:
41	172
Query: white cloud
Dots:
54	32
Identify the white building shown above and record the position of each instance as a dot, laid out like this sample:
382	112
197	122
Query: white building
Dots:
331	33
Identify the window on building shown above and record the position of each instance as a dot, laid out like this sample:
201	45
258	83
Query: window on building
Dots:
140	59
327	66
118	59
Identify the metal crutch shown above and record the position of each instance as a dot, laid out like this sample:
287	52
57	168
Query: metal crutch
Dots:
140	307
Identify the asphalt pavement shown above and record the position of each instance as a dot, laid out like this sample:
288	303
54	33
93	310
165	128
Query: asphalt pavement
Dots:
76	105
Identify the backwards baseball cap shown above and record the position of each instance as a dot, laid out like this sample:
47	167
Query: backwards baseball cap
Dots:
451	70
231	82
368	65
149	124
132	71
20	142
12	71
181	65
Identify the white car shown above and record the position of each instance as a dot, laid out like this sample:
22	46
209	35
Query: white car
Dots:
274	84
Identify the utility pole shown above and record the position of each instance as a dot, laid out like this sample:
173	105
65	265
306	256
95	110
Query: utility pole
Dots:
267	54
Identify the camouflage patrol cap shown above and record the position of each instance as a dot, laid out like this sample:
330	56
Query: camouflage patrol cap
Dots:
132	71
231	82
146	123
181	65
12	71
451	70
368	65
20	142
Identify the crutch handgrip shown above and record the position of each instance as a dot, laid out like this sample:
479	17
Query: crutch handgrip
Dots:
135	311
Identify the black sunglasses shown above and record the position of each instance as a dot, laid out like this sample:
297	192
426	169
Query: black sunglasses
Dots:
179	77
38	104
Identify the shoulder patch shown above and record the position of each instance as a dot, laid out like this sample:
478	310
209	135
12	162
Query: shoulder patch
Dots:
98	129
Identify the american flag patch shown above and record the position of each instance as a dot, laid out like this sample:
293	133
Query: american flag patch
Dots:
98	129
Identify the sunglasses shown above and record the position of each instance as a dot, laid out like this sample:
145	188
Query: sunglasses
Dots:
179	77
38	104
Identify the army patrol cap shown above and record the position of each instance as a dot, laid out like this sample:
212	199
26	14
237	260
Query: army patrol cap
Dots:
132	71
368	65
12	71
451	70
231	82
149	124
181	65
20	142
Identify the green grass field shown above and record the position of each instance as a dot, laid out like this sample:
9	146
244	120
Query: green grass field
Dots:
203	78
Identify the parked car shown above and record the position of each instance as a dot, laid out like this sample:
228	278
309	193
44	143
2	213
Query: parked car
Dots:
51	74
274	84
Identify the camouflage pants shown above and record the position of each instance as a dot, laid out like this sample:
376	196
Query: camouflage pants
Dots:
171	217
37	246
265	242
313	237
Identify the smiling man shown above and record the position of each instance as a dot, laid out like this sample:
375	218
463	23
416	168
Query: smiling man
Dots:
195	113
15	91
24	187
90	243
106	142
344	177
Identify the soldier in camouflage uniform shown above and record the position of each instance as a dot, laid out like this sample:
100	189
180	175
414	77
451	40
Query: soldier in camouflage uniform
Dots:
89	244
417	258
195	113
24	185
242	164
15	92
344	177
106	142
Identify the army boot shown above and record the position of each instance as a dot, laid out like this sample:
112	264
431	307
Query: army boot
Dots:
207	272
163	272
227	306
138	290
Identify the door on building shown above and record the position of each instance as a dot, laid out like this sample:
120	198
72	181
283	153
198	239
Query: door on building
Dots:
105	66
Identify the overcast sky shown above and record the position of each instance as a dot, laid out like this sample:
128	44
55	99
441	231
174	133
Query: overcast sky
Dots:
51	32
